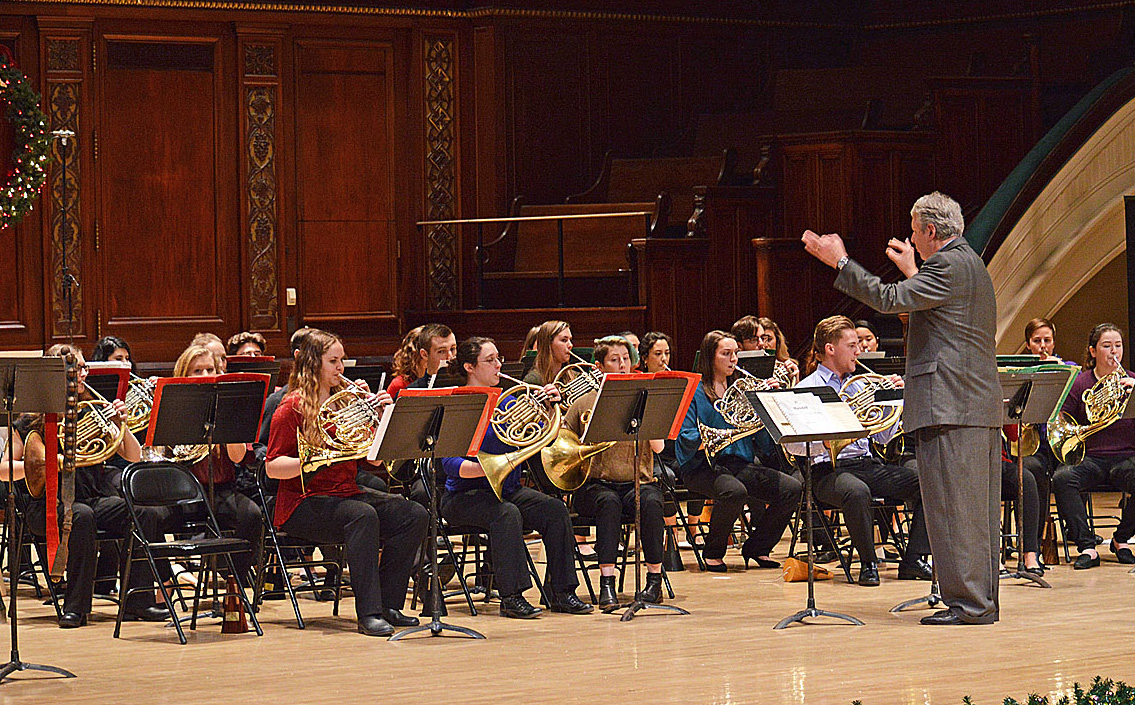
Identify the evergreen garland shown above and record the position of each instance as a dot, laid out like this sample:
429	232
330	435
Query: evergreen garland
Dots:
31	153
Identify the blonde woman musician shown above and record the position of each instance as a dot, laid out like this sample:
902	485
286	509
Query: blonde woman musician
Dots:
553	351
333	509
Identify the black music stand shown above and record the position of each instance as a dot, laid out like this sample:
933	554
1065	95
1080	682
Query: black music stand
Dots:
29	385
631	408
831	421
1030	397
427	424
207	411
262	364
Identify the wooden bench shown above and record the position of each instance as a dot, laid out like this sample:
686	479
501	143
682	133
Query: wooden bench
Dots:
521	265
631	180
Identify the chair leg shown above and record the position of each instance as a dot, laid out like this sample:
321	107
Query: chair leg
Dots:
844	563
583	570
459	573
544	599
666	579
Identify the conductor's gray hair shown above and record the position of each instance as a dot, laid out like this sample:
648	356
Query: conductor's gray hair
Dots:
942	212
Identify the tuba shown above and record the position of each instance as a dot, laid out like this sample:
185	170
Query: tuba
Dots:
524	418
1104	403
348	422
875	417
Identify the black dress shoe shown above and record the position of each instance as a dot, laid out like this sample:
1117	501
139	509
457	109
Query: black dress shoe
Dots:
1085	561
1036	570
516	607
149	613
869	574
916	569
942	617
71	620
607	595
1124	555
375	626
652	593
569	603
716	567
398	619
824	557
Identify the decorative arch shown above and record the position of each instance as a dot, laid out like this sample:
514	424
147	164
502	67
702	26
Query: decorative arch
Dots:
1070	232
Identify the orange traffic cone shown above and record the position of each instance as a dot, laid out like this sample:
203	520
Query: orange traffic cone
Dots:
235	620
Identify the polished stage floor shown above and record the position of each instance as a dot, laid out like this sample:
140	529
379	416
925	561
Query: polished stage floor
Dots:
724	652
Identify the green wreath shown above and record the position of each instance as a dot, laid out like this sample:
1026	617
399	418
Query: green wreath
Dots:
31	154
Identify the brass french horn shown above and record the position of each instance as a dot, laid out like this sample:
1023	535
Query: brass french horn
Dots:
524	418
348	422
567	461
738	411
874	417
1104	403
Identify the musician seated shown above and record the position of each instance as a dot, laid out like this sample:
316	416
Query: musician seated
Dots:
868	339
1032	507
234	511
1109	453
331	507
857	477
246	344
553	351
608	495
469	500
97	505
436	347
737	474
407	366
211	341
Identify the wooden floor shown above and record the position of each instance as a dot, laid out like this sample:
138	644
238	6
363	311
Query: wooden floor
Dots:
724	652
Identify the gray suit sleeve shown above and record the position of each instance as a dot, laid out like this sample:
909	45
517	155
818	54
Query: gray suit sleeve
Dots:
927	289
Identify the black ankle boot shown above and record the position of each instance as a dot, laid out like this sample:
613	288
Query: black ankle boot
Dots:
607	594
653	591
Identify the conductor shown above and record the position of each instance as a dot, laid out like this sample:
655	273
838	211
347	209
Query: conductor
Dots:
952	402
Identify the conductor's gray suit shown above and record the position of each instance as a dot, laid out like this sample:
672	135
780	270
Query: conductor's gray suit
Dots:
952	407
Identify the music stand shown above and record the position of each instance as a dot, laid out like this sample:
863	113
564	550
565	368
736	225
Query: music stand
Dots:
39	386
207	411
793	418
1030	397
263	364
629	408
427	423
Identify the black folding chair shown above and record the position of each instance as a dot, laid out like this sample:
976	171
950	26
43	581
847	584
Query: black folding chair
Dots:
166	484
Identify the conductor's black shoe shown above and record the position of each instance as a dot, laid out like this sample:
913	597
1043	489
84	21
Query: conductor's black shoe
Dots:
516	607
149	613
869	574
652	593
375	626
943	617
916	569
1085	561
607	594
70	620
398	619
1124	555
569	603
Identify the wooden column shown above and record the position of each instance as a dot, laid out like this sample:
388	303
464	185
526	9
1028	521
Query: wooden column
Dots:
66	55
259	53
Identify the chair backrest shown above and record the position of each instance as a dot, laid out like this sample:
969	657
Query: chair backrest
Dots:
160	484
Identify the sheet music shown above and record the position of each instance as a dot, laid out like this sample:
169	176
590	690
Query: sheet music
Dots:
801	411
383	424
807	413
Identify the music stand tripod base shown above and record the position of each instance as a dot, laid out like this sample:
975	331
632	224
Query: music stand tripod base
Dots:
931	600
637	606
1021	574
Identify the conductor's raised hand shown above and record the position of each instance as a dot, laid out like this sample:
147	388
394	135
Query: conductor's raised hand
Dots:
828	248
901	252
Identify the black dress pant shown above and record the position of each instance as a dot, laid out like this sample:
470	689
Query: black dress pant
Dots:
609	504
362	523
730	482
853	486
1041	466
1030	512
1070	480
112	516
506	522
